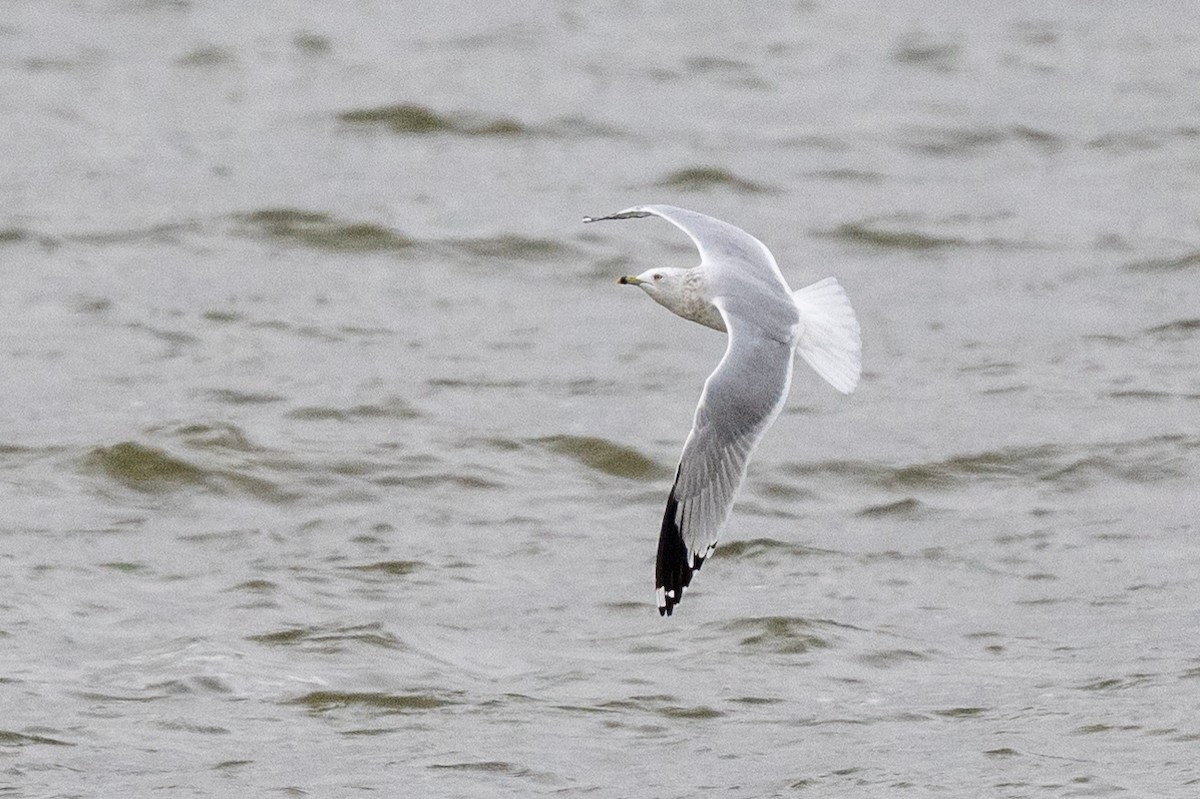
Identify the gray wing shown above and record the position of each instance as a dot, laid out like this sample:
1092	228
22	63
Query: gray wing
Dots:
720	244
739	402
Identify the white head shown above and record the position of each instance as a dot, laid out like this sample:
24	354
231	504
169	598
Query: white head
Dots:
665	285
680	291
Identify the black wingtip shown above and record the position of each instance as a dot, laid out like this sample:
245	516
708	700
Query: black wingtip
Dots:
672	571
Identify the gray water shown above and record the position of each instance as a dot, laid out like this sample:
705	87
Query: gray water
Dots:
332	458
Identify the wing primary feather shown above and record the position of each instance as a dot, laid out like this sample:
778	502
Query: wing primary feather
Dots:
672	572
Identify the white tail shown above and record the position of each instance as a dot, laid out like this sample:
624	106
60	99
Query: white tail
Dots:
831	342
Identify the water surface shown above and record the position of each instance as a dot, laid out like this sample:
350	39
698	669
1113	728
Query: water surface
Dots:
332	458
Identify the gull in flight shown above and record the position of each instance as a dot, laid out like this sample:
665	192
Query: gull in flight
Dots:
739	290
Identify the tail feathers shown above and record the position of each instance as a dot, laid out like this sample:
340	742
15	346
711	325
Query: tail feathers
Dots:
831	342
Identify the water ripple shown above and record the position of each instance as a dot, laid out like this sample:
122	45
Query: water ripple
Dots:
907	509
509	247
322	231
603	456
411	118
9	738
1178	330
708	178
1138	461
755	548
330	639
1176	263
783	635
868	232
319	702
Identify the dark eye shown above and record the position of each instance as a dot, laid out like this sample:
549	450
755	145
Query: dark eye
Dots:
658	276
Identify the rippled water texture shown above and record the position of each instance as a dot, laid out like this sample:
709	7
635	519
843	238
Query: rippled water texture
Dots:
332	458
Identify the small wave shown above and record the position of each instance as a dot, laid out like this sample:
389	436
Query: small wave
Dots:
426	481
325	701
389	408
10	738
990	368
1176	263
1118	683
594	387
502	767
411	118
510	247
222	317
143	468
486	766
125	567
50	64
961	712
161	233
1178	330
1003	751
211	437
919	50
908	508
389	568
577	127
321	231
473	383
175	340
312	44
734	72
756	700
948	142
707	178
12	454
891	658
231	396
774	489
257	587
329	639
151	470
1134	141
496	443
869	232
1142	394
847	175
393	408
661	705
785	635
189	727
13	235
940	474
697	712
1086	471
603	456
716	64
207	57
1140	461
762	547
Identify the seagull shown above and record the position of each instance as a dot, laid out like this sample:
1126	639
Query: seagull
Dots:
739	290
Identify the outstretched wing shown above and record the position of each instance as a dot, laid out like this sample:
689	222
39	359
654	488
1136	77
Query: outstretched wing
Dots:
739	402
721	244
